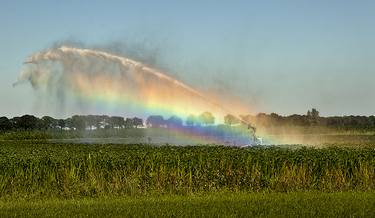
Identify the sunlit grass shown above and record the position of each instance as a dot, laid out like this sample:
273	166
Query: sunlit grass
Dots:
29	168
309	204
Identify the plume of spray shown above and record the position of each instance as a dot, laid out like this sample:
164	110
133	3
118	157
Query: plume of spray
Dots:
111	79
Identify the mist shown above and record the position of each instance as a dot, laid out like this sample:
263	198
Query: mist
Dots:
100	82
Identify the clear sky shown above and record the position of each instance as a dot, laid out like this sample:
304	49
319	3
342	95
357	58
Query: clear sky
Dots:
278	56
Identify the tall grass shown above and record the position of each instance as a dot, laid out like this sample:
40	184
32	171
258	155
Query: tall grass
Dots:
40	168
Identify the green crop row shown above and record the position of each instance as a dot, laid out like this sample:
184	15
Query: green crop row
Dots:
30	168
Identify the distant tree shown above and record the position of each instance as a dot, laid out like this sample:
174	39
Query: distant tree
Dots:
90	121
262	119
129	123
174	121
297	120
61	123
110	123
207	118
191	120
5	124
15	121
137	122
155	121
48	122
372	121
313	116
116	122
230	119
78	122
276	119
27	122
69	123
314	113
102	121
309	113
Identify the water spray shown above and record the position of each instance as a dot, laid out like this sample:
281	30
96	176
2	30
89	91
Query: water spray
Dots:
68	55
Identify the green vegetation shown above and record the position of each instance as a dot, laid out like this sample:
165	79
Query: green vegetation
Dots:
41	176
32	169
309	129
309	204
311	123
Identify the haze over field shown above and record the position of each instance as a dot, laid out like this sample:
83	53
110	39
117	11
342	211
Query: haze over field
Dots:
283	57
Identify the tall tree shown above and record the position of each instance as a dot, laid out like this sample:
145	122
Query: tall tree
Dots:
61	123
5	124
207	118
48	122
78	122
155	121
91	121
191	120
116	122
315	113
137	122
129	123
313	116
174	121
27	122
230	119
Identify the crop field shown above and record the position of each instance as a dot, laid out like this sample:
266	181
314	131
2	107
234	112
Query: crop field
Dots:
41	178
30	168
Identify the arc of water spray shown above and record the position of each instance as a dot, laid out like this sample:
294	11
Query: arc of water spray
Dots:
51	55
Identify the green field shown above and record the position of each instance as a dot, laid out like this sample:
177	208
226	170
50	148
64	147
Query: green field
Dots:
40	178
29	168
310	204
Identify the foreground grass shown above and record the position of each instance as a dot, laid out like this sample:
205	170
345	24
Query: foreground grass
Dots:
310	204
43	169
43	179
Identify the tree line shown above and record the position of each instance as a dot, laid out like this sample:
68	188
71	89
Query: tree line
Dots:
76	122
313	119
91	122
158	121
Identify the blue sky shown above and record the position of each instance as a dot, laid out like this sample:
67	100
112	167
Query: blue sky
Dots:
278	56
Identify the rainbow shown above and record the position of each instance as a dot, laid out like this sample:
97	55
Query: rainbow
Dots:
106	79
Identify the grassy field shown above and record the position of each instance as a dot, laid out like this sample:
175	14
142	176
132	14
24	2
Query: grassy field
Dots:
40	178
30	168
310	204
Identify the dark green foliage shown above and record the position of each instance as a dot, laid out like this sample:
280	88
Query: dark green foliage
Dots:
48	122
271	123
27	122
312	119
78	122
5	124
